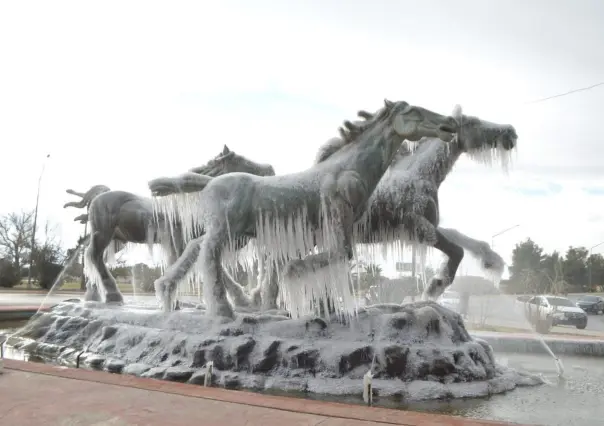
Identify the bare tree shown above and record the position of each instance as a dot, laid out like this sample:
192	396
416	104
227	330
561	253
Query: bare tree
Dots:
48	257
15	236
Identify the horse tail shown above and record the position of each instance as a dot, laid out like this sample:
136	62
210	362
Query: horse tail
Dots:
490	261
92	275
83	218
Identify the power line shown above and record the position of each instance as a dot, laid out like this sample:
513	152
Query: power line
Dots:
566	93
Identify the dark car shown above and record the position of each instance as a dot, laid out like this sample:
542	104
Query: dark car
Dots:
591	304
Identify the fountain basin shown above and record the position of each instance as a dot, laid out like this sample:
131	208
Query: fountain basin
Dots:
418	351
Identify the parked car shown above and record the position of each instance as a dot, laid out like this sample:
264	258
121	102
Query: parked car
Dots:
591	304
546	311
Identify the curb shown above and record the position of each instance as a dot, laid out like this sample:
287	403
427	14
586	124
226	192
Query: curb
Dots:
38	291
533	344
349	414
18	313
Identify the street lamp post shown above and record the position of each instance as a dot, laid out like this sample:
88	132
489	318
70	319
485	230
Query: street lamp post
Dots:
33	233
501	232
589	266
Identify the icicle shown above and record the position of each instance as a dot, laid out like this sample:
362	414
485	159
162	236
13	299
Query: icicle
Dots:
491	156
331	284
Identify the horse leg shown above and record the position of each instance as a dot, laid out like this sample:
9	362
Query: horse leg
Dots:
214	288
165	286
92	292
446	273
270	289
256	293
94	255
235	290
490	260
267	291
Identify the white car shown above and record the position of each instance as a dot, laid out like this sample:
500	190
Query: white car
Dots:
546	311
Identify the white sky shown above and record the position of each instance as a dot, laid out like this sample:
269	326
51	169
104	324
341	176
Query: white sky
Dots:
122	92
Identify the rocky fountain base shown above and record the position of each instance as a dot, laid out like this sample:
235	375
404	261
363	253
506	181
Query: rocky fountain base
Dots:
416	351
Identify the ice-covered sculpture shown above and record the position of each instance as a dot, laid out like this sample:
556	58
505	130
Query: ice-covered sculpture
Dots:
414	351
404	207
116	218
292	214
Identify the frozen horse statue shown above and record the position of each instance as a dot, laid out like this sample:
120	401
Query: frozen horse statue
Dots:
122	217
291	214
404	207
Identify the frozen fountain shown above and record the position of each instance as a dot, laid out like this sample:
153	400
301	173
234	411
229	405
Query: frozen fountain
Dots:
327	344
418	351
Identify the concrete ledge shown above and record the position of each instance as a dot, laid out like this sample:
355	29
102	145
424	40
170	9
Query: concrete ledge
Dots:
529	343
38	291
329	413
17	313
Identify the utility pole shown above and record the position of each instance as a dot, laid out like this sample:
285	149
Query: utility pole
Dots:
33	233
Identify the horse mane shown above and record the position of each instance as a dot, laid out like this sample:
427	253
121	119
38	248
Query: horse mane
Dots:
350	131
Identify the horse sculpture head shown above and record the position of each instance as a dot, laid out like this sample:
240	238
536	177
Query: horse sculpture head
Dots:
483	140
197	178
229	162
397	119
408	122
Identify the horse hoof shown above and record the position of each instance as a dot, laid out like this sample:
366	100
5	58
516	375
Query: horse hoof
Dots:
114	298
434	290
92	296
223	310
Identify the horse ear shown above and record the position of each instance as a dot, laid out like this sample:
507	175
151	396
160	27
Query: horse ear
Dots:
350	126
388	104
457	112
225	150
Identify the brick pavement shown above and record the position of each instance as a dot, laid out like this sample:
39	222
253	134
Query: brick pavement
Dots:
38	394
